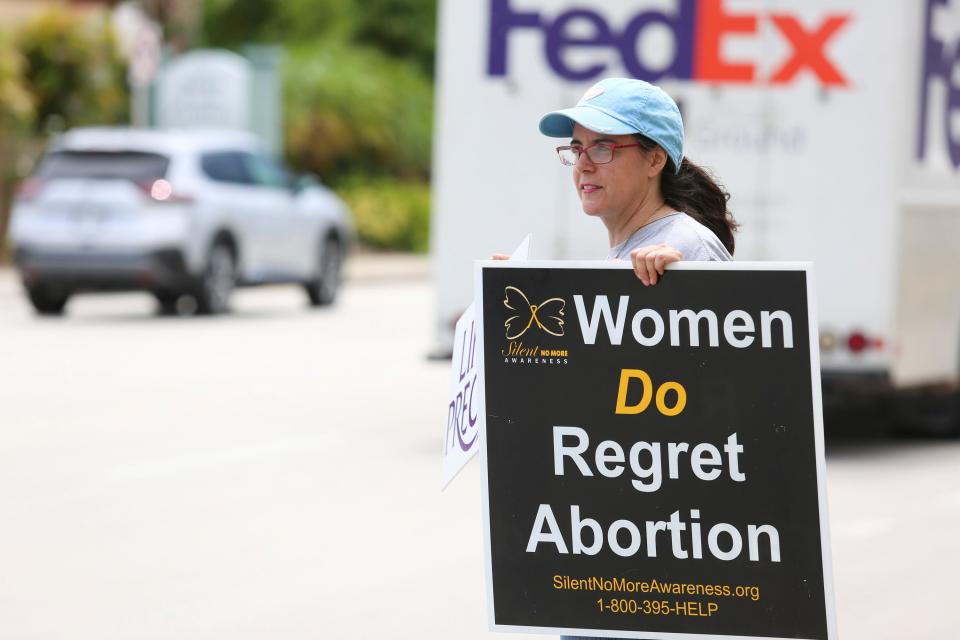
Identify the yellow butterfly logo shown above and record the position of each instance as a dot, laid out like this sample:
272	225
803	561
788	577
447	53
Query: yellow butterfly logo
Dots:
548	314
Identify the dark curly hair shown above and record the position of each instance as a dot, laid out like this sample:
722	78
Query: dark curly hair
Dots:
696	192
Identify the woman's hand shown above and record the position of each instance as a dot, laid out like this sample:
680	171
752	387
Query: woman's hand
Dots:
648	262
499	256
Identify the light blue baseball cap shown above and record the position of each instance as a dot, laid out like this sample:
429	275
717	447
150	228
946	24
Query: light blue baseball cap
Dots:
621	106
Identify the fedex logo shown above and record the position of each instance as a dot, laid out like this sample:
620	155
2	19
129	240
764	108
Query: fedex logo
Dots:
941	54
698	28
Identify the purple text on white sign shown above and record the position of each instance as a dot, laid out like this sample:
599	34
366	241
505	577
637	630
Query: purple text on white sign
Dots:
462	412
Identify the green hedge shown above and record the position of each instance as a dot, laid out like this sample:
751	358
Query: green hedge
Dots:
358	99
403	29
353	111
73	70
16	103
389	213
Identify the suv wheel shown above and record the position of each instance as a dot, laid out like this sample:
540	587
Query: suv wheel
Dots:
322	289
218	281
167	302
47	301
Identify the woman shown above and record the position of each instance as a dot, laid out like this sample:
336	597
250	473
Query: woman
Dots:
626	150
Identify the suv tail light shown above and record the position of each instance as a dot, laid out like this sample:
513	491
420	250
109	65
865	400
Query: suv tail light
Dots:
160	190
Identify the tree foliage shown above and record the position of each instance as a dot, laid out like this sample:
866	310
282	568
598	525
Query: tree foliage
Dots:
403	29
16	103
73	71
358	99
351	110
390	214
16	118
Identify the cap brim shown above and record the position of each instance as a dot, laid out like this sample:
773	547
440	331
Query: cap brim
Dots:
559	124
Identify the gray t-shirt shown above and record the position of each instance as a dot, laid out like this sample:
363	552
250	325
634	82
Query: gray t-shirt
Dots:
680	231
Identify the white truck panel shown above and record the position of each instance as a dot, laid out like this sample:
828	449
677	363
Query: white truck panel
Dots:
820	168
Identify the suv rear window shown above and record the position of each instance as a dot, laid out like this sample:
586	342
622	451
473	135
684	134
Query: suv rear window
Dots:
128	165
225	166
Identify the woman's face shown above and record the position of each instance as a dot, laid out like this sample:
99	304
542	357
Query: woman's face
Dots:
616	188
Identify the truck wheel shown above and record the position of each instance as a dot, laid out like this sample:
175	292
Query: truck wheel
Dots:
322	289
953	431
218	281
47	301
933	413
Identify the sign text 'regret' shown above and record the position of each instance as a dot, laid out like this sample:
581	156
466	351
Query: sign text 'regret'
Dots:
698	28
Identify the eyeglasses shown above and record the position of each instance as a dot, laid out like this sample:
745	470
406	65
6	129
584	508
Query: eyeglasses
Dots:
599	153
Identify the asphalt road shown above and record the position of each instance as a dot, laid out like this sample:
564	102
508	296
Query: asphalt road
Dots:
275	474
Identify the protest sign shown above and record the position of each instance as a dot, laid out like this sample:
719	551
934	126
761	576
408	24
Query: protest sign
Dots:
653	457
465	418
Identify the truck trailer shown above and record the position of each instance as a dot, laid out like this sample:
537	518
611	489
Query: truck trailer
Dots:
834	125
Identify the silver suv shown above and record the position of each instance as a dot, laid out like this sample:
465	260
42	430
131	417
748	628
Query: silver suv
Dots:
173	213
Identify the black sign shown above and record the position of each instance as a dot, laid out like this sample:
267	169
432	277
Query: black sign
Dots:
654	455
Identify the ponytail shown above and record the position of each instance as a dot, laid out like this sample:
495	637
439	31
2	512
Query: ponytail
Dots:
695	192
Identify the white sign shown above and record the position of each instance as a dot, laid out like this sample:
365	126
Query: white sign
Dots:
465	415
206	89
140	40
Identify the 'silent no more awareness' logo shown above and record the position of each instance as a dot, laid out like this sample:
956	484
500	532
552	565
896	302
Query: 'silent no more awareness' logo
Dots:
530	319
548	315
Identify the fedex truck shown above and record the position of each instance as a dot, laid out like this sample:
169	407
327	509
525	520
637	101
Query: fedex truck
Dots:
834	124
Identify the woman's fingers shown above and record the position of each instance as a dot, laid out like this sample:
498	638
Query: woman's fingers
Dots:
650	261
653	270
499	256
639	259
